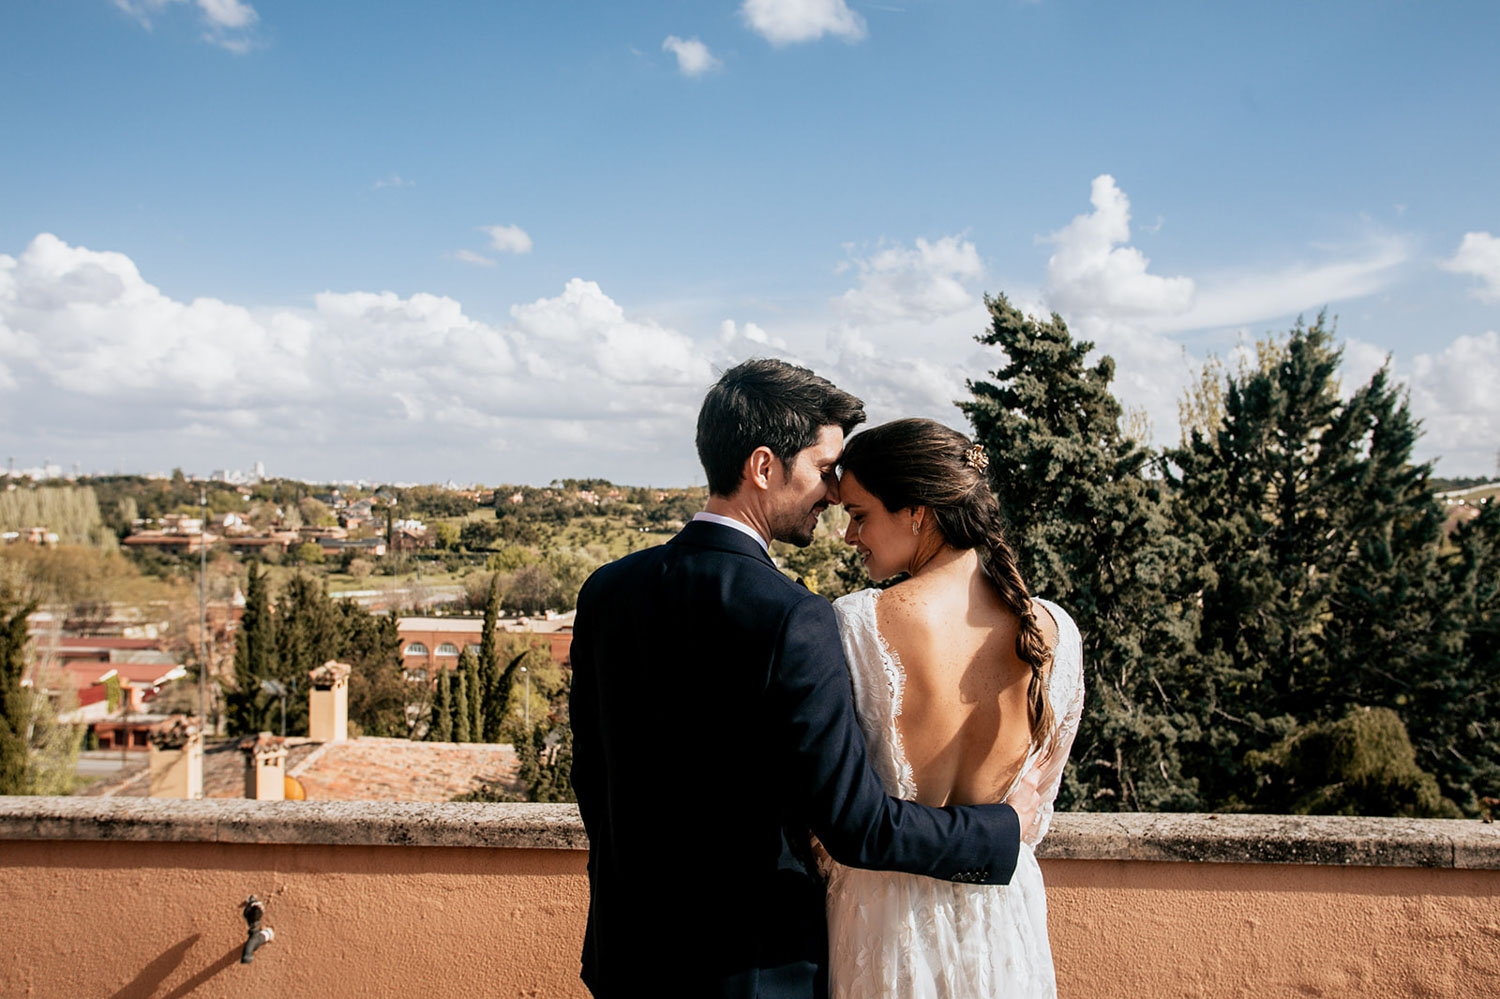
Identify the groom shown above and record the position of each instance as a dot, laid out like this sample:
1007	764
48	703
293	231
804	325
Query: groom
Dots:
713	726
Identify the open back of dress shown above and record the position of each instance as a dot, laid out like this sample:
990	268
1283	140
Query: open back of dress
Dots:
902	935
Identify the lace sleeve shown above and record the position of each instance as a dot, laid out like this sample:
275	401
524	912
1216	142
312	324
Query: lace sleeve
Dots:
1066	694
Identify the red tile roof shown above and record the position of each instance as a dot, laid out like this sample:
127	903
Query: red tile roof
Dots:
363	769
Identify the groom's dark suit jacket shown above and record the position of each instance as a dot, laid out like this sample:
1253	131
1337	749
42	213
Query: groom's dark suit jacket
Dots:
713	726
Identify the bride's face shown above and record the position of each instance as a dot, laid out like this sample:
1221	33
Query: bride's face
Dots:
884	540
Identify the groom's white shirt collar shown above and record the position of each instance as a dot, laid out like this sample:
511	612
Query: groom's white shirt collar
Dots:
738	525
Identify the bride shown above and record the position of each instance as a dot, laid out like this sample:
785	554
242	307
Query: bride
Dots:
966	686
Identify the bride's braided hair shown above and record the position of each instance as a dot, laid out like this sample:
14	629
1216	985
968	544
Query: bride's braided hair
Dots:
911	463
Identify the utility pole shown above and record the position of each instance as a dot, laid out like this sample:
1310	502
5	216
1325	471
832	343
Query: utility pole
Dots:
203	609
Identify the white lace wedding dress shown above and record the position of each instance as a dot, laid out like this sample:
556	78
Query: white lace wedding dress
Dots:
892	934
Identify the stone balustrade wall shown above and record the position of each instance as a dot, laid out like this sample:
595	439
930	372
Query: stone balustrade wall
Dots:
141	898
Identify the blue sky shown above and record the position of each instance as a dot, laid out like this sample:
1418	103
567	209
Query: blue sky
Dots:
515	241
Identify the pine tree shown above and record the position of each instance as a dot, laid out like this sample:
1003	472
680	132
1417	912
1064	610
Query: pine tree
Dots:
1092	530
463	711
1458	700
15	700
1319	538
246	708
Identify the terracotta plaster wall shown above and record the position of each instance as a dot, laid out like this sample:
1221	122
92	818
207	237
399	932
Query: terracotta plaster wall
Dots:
131	919
1134	928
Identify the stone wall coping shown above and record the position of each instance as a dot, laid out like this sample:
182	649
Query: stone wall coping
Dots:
1328	840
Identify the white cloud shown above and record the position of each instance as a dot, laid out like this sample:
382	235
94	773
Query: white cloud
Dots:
1105	290
922	284
1478	255
583	321
228	13
783	22
693	57
748	340
393	180
99	362
227	22
470	257
1091	274
1249	295
508	238
1453	394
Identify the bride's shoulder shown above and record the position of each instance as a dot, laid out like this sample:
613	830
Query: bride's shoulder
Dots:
856	603
1057	625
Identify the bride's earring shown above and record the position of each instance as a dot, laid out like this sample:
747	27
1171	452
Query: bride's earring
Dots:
916	527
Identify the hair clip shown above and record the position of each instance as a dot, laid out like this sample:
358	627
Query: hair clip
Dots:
976	459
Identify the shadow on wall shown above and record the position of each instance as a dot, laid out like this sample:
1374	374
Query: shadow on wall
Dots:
144	985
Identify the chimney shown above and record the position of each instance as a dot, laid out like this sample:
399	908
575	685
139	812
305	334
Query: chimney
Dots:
265	767
176	759
328	702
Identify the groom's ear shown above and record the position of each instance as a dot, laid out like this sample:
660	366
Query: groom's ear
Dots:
759	467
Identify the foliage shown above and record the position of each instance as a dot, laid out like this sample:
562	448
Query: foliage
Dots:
492	697
445	535
440	727
433	502
72	513
1362	764
463	714
1272	617
1319	544
473	704
1093	531
378	689
307	629
15	700
546	761
37	753
1458	699
308	553
828	566
74	575
247	710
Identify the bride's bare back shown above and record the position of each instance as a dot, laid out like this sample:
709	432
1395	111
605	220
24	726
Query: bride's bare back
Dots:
963	721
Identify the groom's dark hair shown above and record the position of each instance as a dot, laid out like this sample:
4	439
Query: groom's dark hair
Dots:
764	402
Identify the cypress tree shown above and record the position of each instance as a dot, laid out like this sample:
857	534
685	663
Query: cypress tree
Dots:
308	635
254	659
15	701
378	689
441	729
1092	530
495	694
463	712
474	679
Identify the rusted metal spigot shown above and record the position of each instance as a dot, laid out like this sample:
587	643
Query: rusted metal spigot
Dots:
256	935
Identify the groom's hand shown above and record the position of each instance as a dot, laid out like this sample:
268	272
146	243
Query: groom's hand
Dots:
1026	799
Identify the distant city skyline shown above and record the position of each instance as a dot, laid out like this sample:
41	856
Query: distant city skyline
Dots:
506	243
